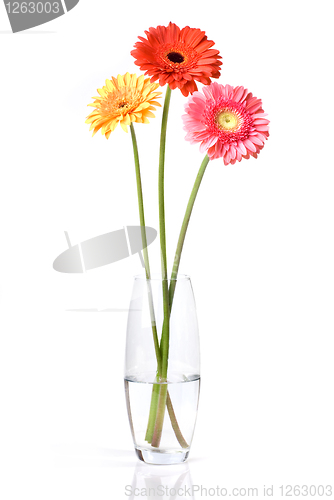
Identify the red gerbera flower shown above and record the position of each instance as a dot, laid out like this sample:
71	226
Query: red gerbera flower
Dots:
227	121
177	57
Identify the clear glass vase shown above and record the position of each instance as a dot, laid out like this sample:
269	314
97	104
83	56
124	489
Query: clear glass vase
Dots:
162	410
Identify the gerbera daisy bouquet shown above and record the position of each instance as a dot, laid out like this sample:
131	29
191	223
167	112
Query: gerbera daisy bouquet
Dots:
229	125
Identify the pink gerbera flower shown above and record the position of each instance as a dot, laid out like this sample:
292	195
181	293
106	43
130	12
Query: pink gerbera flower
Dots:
227	121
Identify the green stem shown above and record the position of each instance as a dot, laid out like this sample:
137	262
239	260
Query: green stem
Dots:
173	282
155	392
184	228
156	438
175	424
162	183
162	227
160	401
144	242
153	412
183	231
156	387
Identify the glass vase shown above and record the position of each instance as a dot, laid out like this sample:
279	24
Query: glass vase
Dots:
162	410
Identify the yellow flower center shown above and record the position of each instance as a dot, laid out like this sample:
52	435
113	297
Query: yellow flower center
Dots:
120	101
227	120
123	104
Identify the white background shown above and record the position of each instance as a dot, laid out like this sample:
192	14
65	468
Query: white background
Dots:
260	251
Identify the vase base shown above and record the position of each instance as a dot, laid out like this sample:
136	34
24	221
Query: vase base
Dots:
156	457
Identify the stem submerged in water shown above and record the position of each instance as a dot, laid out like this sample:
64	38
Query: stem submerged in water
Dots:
153	413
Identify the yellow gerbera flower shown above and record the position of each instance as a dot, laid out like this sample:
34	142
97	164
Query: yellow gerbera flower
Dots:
123	100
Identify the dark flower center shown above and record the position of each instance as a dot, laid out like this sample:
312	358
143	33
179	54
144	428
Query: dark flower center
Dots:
122	104
175	57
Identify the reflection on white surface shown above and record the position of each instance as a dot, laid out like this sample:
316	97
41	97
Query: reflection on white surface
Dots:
86	455
155	482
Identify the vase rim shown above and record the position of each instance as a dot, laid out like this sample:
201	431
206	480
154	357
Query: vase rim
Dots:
157	277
